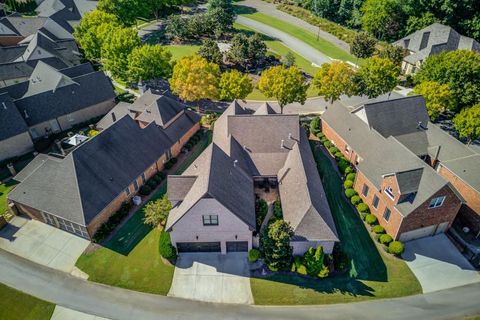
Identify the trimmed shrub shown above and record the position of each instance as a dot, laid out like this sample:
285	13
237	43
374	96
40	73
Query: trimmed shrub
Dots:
323	140
370	219
160	175
152	183
277	210
348	184
324	272
355	200
253	255
351	176
343	165
145	190
168	165
378	229
363	207
350	193
347	169
327	144
261	208
173	160
302	270
396	247
315	125
321	135
363	215
165	246
188	146
333	150
385	239
338	155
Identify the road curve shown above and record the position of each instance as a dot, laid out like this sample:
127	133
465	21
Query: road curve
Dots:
300	47
116	303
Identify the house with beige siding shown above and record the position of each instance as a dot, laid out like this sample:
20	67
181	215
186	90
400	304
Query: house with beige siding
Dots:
214	199
388	141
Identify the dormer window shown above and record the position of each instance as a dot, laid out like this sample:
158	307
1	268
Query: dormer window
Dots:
389	192
436	202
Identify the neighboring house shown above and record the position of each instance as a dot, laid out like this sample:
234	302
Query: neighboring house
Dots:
17	62
14	28
14	137
432	40
173	117
79	192
214	199
388	142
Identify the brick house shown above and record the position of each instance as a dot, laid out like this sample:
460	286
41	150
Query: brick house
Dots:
214	199
406	194
80	191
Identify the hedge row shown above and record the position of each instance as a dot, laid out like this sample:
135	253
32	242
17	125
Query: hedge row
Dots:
170	163
194	140
151	184
106	228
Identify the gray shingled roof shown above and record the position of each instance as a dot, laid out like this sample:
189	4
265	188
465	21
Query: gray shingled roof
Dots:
408	181
434	39
265	108
161	108
180	126
179	186
246	145
11	122
94	174
117	113
22	26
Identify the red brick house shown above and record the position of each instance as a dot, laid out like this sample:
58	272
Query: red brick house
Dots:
408	197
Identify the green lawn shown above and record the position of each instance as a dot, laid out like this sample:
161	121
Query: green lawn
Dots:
130	259
16	305
179	51
4	190
373	273
308	37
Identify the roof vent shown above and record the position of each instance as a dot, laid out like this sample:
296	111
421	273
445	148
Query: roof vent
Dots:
419	125
290	136
4	105
26	114
282	144
235	163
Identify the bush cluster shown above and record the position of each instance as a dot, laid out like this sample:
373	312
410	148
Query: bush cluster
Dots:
378	229
193	140
355	200
350	176
348	184
371	219
165	246
277	210
396	248
363	208
350	193
106	228
170	163
385	239
315	126
253	255
312	263
261	209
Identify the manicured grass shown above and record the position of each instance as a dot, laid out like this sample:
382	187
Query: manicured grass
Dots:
179	51
4	190
373	273
309	38
130	259
16	305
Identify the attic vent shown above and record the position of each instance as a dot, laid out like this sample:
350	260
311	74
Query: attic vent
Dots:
282	144
235	163
26	114
290	136
4	105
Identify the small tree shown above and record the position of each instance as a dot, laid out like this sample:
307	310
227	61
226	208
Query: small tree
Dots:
334	79
377	76
467	123
286	85
165	246
245	50
116	49
276	245
177	28
438	97
392	53
210	51
289	59
313	260
149	62
234	85
194	78
156	212
363	45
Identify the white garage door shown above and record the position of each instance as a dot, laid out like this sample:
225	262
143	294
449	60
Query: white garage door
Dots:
416	234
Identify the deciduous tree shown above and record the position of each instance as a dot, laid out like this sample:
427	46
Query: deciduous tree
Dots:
392	53
377	76
276	245
438	97
334	79
286	85
383	18
246	50
194	78
116	49
234	85
149	62
156	212
125	10
363	45
210	51
467	123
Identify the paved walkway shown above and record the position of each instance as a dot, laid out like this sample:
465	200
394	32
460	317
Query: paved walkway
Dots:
271	10
212	277
438	264
61	313
42	243
295	44
116	303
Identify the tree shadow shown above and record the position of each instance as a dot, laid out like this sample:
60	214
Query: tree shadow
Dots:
239	9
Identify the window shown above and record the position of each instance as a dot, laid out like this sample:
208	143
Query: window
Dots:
210	220
49	219
386	214
135	185
143	178
436	202
347	148
375	202
365	190
127	191
389	192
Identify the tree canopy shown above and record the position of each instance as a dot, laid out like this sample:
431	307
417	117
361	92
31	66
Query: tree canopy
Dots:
125	10
115	51
286	85
376	77
392	53
247	51
438	97
275	241
363	45
234	85
194	78
149	62
467	123
459	69
210	51
383	18
334	79
156	212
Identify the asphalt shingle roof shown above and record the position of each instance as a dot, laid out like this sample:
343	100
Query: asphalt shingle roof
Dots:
11	122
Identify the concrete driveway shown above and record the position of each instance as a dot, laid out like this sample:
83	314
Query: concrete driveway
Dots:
42	243
212	277
438	264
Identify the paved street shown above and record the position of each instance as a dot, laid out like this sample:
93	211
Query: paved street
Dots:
42	243
438	264
212	277
117	303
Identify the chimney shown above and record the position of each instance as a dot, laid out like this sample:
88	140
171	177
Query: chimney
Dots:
282	145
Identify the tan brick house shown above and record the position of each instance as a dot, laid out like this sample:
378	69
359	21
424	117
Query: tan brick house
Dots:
408	197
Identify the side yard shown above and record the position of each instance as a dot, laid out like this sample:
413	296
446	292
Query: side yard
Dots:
16	305
373	273
131	258
4	190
